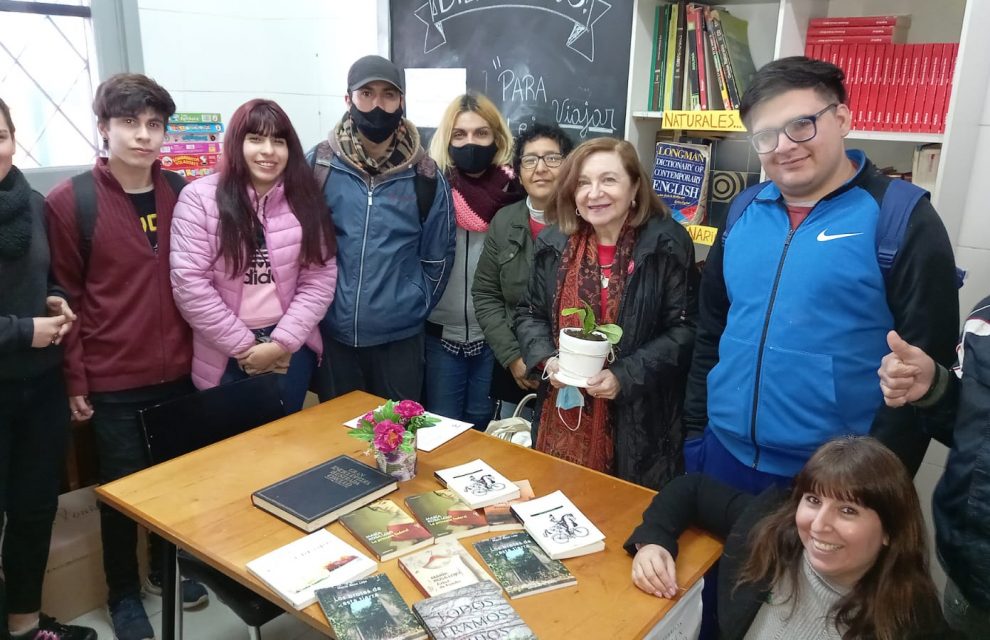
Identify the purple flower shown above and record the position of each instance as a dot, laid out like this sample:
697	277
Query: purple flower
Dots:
409	409
388	436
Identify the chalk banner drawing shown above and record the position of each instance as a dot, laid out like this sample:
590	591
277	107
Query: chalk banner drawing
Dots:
582	13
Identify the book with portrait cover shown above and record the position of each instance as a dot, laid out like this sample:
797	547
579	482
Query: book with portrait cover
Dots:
314	498
441	568
500	516
469	613
295	571
443	514
521	566
369	609
386	530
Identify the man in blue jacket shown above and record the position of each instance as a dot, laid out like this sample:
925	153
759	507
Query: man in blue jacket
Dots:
956	408
794	308
395	238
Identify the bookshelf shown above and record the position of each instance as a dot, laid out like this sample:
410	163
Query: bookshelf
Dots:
777	28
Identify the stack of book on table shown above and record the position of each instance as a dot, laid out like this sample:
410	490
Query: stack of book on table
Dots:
192	143
477	484
559	527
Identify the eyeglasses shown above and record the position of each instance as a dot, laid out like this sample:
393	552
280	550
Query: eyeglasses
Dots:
552	160
797	130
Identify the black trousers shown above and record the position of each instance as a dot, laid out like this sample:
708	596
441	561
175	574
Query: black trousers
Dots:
34	434
392	370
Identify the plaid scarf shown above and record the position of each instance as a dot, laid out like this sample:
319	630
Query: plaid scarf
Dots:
402	146
476	200
579	280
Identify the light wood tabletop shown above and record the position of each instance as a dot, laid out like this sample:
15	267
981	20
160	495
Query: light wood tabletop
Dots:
201	502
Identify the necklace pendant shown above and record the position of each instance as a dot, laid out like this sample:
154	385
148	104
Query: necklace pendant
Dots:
604	282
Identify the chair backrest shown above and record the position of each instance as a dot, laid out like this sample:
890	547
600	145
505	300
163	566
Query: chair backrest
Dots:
193	421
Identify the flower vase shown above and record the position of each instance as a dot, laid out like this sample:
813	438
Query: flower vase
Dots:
398	464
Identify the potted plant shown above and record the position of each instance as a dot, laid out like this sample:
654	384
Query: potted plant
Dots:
583	349
390	431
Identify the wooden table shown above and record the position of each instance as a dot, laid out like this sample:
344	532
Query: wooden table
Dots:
201	502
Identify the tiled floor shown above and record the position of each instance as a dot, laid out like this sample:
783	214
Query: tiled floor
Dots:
213	622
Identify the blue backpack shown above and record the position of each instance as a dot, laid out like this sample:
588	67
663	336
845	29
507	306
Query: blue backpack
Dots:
896	206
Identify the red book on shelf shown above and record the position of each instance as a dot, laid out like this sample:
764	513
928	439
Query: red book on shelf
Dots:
855	103
696	15
852	31
883	91
917	95
866	87
853	39
860	21
875	53
946	65
931	87
907	61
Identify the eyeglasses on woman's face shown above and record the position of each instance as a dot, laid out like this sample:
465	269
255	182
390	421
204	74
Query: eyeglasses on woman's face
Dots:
797	130
552	160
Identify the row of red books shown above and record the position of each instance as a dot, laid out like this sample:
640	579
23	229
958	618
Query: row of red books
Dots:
858	30
894	87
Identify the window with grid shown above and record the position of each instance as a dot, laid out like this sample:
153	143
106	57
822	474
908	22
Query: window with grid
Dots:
48	74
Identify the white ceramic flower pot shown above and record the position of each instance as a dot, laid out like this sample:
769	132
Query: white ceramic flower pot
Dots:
580	359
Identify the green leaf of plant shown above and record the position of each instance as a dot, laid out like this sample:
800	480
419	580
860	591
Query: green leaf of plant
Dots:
612	332
589	319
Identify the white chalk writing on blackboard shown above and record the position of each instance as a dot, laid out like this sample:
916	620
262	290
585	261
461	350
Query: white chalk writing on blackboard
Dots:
582	13
584	117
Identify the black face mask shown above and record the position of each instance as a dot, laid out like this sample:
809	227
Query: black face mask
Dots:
376	125
472	158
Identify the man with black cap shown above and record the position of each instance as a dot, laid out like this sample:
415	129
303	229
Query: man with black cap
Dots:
395	233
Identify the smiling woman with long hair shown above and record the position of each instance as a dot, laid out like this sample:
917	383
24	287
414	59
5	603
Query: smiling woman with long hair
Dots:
253	266
841	556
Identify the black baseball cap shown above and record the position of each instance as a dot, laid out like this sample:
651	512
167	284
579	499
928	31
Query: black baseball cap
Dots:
372	68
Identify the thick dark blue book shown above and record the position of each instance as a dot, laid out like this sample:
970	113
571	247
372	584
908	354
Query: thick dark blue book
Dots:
314	498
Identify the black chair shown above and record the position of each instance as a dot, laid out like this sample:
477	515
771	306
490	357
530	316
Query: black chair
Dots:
191	422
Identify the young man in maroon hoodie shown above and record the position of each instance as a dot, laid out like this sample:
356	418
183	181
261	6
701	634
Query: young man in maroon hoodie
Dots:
129	348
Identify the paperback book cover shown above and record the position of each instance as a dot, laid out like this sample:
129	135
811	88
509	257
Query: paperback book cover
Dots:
521	566
559	527
296	570
443	514
386	530
314	498
470	613
174	127
191	117
478	484
500	516
369	609
442	568
680	178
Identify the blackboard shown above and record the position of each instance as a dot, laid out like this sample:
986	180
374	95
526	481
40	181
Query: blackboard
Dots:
563	61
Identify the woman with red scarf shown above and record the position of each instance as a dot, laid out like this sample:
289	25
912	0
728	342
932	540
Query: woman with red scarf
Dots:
473	146
615	247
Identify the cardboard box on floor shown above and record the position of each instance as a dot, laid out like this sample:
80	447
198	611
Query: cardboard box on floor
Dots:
74	582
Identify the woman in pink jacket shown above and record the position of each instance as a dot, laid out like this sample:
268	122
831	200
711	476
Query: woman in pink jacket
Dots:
252	257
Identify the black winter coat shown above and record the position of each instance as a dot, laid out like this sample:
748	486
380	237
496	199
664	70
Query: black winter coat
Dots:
657	315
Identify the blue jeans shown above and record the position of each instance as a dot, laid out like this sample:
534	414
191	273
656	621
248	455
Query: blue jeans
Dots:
292	385
457	386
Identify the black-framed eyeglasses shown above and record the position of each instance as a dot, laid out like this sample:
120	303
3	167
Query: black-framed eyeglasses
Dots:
797	130
552	160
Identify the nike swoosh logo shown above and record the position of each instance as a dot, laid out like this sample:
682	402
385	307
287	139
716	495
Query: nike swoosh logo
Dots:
824	237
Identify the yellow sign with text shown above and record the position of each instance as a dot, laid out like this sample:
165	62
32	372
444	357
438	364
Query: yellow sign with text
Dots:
702	234
703	120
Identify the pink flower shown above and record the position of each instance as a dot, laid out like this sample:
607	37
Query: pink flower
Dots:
368	417
409	409
388	436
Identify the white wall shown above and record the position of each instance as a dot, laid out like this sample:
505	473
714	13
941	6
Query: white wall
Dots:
214	56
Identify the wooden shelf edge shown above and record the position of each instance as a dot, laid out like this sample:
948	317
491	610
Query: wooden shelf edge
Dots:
896	136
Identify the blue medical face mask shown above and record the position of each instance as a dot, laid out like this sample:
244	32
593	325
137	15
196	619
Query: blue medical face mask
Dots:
569	398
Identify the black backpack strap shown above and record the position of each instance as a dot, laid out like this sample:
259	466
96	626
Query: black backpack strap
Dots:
84	192
321	163
425	184
176	181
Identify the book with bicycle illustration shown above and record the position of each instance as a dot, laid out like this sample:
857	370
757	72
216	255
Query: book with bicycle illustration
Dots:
477	484
314	498
500	516
442	568
386	530
295	571
559	527
469	613
443	514
521	566
369	609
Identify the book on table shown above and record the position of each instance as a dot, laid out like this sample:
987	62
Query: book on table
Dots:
295	571
442	568
500	516
477	484
369	609
314	498
476	611
521	566
443	514
559	527
386	530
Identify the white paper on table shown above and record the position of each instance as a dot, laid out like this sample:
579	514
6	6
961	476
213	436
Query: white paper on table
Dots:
430	91
429	438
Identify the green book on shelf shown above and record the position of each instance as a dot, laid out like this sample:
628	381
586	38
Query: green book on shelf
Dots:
521	566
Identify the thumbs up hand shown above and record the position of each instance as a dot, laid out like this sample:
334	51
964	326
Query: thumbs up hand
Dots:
906	373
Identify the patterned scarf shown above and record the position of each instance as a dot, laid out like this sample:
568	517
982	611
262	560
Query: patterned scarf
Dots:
477	199
403	145
592	444
15	215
